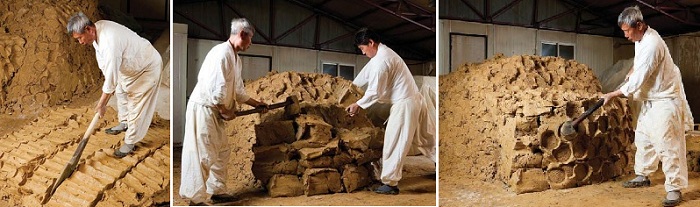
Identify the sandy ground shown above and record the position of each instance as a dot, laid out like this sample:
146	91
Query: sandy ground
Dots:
472	192
417	189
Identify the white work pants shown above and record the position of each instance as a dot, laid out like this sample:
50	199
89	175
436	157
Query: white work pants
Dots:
402	127
141	91
205	154
660	136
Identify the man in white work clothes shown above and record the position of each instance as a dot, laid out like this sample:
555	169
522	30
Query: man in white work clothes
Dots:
388	80
205	149
655	82
130	65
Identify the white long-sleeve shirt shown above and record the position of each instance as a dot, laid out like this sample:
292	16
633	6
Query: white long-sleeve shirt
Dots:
654	75
387	78
123	56
219	80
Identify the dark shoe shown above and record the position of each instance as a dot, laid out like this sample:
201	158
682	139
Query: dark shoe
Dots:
677	198
223	198
637	182
116	129
387	189
124	150
197	204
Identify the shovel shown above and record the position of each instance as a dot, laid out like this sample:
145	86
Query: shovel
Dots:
73	163
291	107
569	127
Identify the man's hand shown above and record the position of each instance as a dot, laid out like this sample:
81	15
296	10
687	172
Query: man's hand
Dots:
608	96
100	110
226	114
102	104
264	106
353	109
257	104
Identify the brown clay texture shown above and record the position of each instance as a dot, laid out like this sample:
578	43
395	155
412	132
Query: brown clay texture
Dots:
40	64
500	119
319	151
36	154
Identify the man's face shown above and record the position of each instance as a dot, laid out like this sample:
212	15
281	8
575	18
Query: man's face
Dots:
633	34
370	49
244	41
87	37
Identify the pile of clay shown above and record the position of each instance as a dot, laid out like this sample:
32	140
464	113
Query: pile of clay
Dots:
33	157
47	66
320	150
500	119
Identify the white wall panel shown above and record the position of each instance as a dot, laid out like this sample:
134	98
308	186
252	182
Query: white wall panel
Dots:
511	40
594	51
294	59
179	81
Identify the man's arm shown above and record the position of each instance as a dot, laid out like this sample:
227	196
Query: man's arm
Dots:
376	84
102	104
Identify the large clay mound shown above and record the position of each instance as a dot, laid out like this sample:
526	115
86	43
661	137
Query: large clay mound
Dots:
499	120
321	150
41	64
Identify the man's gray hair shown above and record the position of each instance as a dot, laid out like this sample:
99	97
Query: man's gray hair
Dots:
242	24
78	22
630	16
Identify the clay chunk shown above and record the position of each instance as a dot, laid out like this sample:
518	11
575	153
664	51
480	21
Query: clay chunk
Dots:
335	161
360	138
311	153
355	177
313	128
274	132
321	181
265	170
526	180
281	185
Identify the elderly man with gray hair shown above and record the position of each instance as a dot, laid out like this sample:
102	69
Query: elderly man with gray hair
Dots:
205	148
655	82
130	66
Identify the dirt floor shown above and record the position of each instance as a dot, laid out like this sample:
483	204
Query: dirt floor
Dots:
35	152
474	192
417	189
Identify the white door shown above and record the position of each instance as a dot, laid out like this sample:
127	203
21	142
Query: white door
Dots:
466	49
255	67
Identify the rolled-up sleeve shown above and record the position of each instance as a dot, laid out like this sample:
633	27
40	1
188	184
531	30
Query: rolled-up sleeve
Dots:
644	64
361	79
377	79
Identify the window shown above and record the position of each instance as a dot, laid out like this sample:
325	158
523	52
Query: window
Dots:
335	69
565	51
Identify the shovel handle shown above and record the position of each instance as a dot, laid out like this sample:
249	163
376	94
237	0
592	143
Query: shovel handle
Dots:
588	112
86	136
260	109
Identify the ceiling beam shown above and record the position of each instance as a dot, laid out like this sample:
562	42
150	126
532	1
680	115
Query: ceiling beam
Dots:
346	35
370	11
474	9
667	14
200	24
258	30
399	16
557	16
505	8
295	27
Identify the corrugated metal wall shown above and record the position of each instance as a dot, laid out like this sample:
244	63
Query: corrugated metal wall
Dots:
684	51
594	51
